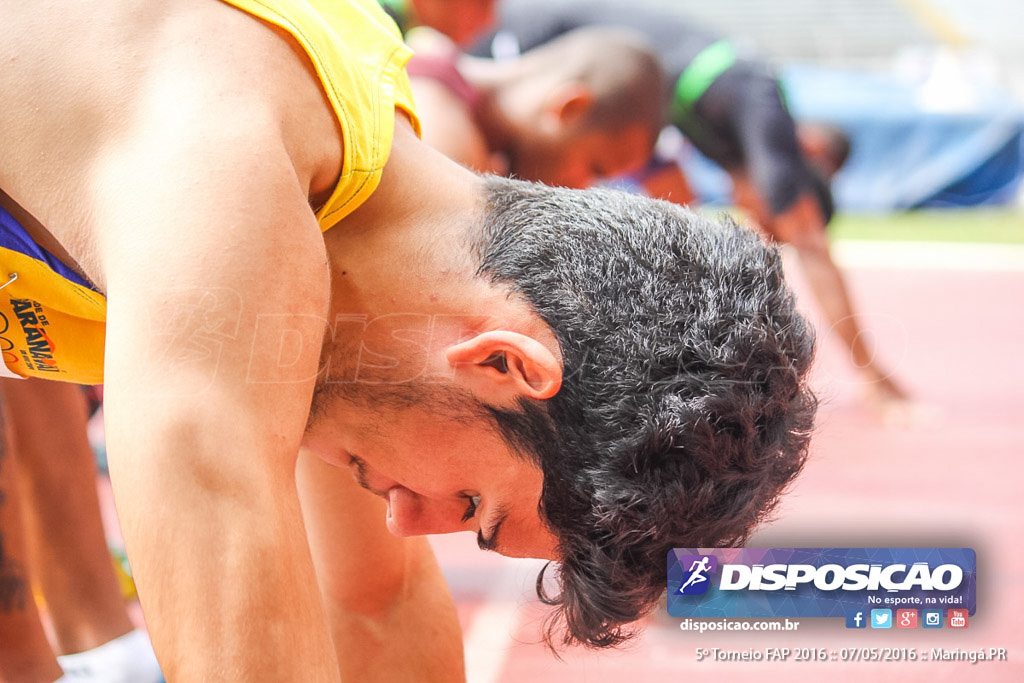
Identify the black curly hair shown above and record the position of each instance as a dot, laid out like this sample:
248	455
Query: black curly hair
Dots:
684	410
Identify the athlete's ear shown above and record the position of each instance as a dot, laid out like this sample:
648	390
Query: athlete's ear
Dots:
569	103
500	365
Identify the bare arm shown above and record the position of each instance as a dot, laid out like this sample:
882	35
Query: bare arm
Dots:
391	613
802	226
209	249
70	561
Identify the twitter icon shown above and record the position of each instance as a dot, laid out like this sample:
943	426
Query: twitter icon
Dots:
881	618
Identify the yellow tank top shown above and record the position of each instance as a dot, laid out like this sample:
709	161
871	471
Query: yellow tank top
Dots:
52	321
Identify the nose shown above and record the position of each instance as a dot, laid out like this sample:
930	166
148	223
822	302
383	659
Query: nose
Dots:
412	515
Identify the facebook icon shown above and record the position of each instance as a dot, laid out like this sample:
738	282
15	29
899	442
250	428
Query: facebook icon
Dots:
856	618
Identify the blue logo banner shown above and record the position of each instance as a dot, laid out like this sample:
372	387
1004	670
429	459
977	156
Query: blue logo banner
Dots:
818	582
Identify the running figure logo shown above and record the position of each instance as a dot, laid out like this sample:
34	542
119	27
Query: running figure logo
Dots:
696	581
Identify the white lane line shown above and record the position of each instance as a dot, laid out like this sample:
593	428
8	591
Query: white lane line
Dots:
928	255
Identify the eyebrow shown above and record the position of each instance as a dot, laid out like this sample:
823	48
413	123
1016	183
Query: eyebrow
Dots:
490	542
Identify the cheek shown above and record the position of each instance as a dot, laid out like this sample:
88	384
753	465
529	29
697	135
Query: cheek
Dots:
534	540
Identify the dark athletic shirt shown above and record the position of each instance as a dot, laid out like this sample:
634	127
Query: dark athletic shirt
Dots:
740	121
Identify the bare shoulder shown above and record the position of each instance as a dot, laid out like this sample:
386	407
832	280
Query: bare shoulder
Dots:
91	91
449	126
448	122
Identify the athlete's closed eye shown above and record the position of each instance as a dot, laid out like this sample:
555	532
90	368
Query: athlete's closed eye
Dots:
474	503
